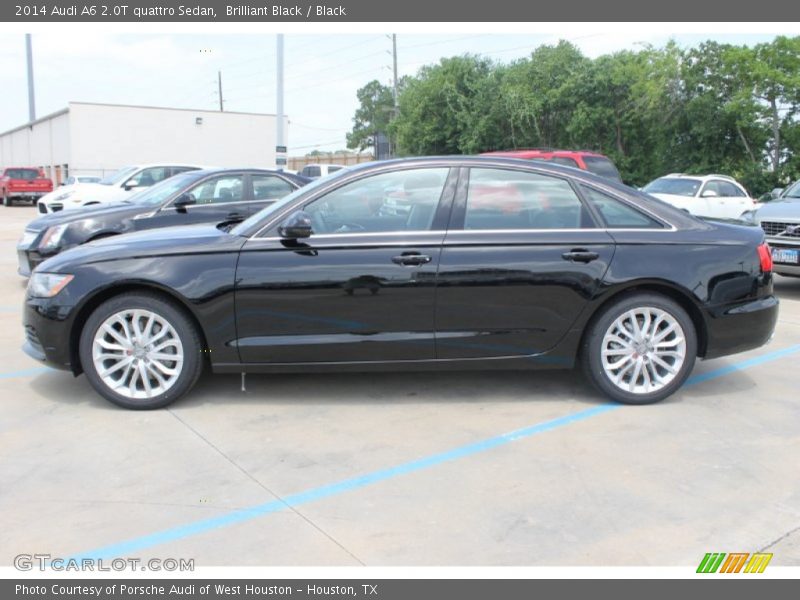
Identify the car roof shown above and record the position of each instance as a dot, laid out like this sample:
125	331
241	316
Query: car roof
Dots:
531	152
702	177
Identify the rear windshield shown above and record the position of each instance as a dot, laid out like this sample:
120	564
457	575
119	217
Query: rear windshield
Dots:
26	174
674	186
600	165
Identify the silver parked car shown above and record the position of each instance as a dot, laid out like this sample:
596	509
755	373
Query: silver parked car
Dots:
780	220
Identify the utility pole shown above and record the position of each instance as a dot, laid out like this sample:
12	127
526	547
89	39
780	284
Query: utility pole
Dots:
219	84
280	131
31	97
394	66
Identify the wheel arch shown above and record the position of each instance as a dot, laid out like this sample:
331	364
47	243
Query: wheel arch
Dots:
107	293
682	296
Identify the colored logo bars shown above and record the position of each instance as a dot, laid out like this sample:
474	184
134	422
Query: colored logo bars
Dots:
716	562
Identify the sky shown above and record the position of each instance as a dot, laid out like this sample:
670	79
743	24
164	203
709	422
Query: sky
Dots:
322	71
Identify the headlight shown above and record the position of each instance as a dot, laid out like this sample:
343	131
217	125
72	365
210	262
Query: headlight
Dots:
748	216
47	285
63	196
52	237
27	239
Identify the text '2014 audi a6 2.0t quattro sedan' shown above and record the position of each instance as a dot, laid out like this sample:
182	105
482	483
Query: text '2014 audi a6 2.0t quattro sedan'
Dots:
415	264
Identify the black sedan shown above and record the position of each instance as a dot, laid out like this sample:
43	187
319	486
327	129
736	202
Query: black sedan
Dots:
206	196
496	264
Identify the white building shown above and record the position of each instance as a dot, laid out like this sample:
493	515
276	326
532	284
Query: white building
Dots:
96	139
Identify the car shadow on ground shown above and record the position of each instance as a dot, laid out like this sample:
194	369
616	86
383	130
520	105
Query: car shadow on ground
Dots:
348	389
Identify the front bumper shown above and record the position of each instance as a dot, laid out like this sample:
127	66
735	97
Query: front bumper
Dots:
47	333
738	327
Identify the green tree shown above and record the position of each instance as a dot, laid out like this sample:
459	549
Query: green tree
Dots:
373	115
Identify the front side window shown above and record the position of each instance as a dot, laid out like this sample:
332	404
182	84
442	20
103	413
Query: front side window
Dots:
730	190
616	214
311	171
217	190
505	199
396	201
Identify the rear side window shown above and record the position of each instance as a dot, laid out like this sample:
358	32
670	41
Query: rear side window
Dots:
505	199
311	171
600	165
617	214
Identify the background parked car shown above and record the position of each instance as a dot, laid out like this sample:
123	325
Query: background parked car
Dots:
23	183
319	170
118	185
717	196
201	196
780	220
579	159
73	179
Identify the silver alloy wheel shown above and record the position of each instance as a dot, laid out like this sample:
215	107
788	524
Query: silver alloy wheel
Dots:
137	353
643	350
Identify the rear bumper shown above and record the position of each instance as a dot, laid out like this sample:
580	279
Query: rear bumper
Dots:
739	327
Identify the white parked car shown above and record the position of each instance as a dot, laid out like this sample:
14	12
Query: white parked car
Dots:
318	170
117	186
717	196
73	179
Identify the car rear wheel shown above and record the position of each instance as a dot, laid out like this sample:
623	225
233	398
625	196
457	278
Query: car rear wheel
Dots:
6	200
640	349
140	351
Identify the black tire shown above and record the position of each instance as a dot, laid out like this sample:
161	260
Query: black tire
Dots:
591	351
184	327
7	201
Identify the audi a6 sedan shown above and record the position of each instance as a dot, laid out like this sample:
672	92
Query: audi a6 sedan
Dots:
497	264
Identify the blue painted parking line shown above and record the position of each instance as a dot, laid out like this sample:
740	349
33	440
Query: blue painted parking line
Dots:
24	372
333	489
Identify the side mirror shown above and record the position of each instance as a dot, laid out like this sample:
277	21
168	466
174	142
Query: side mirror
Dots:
709	194
297	225
130	185
184	200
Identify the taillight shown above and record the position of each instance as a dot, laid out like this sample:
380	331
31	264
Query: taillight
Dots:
765	256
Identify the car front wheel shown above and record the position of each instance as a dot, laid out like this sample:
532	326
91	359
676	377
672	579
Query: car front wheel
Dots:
140	351
640	349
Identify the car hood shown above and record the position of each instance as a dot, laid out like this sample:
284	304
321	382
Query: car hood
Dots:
117	210
789	209
186	239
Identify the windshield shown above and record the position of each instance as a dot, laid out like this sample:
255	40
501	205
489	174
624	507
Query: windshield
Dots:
600	165
793	191
118	176
159	193
26	174
264	213
674	186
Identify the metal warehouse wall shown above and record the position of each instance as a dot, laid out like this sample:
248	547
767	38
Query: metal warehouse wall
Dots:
43	143
106	137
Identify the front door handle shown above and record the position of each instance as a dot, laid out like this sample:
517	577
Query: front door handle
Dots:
580	255
411	259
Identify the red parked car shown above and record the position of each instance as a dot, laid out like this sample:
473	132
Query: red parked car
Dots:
579	159
23	183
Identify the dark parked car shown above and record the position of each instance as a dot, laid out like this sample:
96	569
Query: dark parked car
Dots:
498	263
206	196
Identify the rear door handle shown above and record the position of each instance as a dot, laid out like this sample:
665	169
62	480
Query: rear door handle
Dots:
580	255
411	259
